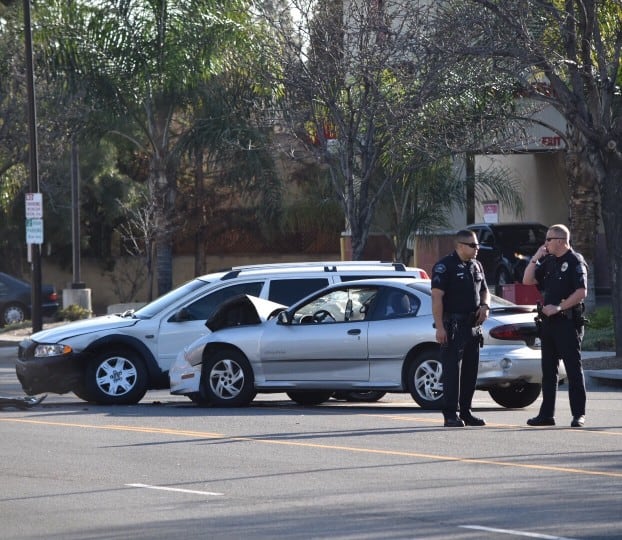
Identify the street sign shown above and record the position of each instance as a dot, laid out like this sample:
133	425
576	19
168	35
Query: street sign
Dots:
34	206
34	231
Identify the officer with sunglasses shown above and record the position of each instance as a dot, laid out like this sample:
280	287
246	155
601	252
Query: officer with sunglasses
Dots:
560	273
460	304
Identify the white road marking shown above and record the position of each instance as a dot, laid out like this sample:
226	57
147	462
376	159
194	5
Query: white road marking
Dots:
516	533
178	490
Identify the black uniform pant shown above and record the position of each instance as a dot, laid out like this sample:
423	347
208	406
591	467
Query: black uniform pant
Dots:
460	361
561	339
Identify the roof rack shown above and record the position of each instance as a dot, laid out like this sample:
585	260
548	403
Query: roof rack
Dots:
326	266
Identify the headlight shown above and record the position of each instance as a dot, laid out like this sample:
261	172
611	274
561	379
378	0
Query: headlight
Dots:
56	349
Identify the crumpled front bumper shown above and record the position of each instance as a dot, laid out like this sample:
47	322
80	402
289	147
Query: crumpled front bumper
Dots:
184	378
56	374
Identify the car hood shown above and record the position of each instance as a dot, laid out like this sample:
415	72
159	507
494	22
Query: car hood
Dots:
84	326
242	310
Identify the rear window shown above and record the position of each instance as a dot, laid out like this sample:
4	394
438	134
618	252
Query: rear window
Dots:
289	291
203	308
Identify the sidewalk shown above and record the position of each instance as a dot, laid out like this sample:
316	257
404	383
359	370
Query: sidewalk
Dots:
11	338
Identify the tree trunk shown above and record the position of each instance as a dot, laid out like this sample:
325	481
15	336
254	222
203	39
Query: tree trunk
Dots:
163	191
583	218
608	167
199	235
164	257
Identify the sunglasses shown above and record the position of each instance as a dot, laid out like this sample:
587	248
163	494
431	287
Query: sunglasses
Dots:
555	238
470	244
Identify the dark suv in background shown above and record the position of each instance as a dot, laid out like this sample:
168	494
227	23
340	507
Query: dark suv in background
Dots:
506	248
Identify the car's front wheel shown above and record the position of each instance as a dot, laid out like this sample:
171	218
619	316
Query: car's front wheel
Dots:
424	380
115	377
516	396
309	397
13	314
227	379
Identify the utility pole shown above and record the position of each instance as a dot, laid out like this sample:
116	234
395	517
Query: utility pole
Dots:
37	322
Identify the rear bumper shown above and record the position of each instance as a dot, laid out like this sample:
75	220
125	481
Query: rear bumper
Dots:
500	365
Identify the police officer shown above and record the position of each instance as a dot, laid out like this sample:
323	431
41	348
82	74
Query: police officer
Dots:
561	276
460	303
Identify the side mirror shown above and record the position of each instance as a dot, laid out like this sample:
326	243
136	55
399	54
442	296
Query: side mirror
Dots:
283	317
182	315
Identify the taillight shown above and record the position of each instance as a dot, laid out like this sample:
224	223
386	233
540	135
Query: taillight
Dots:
424	274
53	297
526	332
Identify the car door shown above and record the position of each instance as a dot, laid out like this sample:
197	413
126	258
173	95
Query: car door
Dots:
183	325
394	329
316	347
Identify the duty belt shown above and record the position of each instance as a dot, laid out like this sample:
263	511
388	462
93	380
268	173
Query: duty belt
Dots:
460	317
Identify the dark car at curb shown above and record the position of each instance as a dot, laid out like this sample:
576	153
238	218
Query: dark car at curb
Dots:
16	300
506	248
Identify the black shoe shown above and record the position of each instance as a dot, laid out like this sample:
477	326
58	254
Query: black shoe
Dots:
541	421
454	422
470	420
578	421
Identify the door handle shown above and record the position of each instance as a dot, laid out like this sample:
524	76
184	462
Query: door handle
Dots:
354	332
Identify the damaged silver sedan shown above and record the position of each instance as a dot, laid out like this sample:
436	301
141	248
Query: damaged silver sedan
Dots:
371	336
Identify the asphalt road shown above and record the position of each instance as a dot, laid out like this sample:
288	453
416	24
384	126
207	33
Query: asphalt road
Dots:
166	469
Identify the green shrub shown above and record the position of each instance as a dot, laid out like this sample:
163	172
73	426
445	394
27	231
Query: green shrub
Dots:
601	318
599	334
73	312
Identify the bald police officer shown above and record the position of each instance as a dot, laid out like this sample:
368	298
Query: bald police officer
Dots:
460	304
560	274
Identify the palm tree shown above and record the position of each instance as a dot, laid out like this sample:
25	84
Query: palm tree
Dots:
138	63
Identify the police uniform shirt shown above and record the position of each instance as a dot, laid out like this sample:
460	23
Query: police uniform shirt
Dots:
461	281
559	277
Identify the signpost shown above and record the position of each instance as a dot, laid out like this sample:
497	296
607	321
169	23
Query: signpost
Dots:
34	206
34	218
34	235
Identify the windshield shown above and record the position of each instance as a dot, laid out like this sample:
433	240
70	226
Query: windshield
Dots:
162	303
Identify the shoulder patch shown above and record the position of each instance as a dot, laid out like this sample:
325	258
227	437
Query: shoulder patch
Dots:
440	268
580	269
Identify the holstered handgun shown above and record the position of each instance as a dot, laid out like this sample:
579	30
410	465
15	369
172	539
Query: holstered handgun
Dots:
480	336
578	315
538	319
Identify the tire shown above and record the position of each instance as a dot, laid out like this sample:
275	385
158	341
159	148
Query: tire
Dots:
424	380
369	396
13	313
516	396
81	393
227	379
115	377
310	397
199	399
